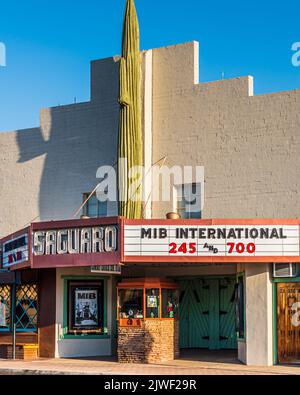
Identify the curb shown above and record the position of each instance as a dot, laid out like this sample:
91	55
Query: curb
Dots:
34	372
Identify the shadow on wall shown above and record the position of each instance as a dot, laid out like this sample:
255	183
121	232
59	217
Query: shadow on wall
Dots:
156	341
135	345
76	140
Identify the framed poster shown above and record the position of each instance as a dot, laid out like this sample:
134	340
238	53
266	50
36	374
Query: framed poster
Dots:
152	301
85	313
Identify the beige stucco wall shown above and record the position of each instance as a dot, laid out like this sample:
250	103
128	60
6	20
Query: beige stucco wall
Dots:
85	347
249	145
258	347
20	182
45	171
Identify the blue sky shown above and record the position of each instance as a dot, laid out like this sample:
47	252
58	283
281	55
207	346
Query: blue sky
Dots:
50	44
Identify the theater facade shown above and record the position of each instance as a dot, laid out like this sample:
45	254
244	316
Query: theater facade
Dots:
150	281
91	287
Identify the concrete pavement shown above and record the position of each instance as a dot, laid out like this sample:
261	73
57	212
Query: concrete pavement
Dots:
108	366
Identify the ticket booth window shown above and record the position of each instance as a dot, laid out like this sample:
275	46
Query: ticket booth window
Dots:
5	308
131	304
152	303
170	302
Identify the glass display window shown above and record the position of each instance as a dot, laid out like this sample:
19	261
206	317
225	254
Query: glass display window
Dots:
152	303
26	308
131	304
141	299
170	303
5	308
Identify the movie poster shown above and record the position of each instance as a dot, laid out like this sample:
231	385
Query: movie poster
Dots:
152	301
86	308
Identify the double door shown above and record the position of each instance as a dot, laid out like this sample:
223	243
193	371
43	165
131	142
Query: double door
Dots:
207	313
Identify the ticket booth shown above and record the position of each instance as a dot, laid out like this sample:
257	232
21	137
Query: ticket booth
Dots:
148	320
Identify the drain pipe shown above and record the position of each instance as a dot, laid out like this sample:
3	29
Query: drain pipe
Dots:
14	324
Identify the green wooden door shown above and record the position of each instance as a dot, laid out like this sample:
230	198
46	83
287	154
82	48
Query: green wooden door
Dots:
194	319
207	314
227	318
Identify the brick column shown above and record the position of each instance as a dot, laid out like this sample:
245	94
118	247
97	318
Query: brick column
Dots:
155	341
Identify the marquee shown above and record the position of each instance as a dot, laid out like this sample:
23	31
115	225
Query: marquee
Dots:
15	251
75	240
202	241
105	242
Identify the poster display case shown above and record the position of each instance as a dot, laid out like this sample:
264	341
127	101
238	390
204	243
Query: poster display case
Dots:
85	313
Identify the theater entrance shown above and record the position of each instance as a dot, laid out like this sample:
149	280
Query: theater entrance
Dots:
207	313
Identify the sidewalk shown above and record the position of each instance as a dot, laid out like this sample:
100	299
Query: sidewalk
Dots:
110	367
